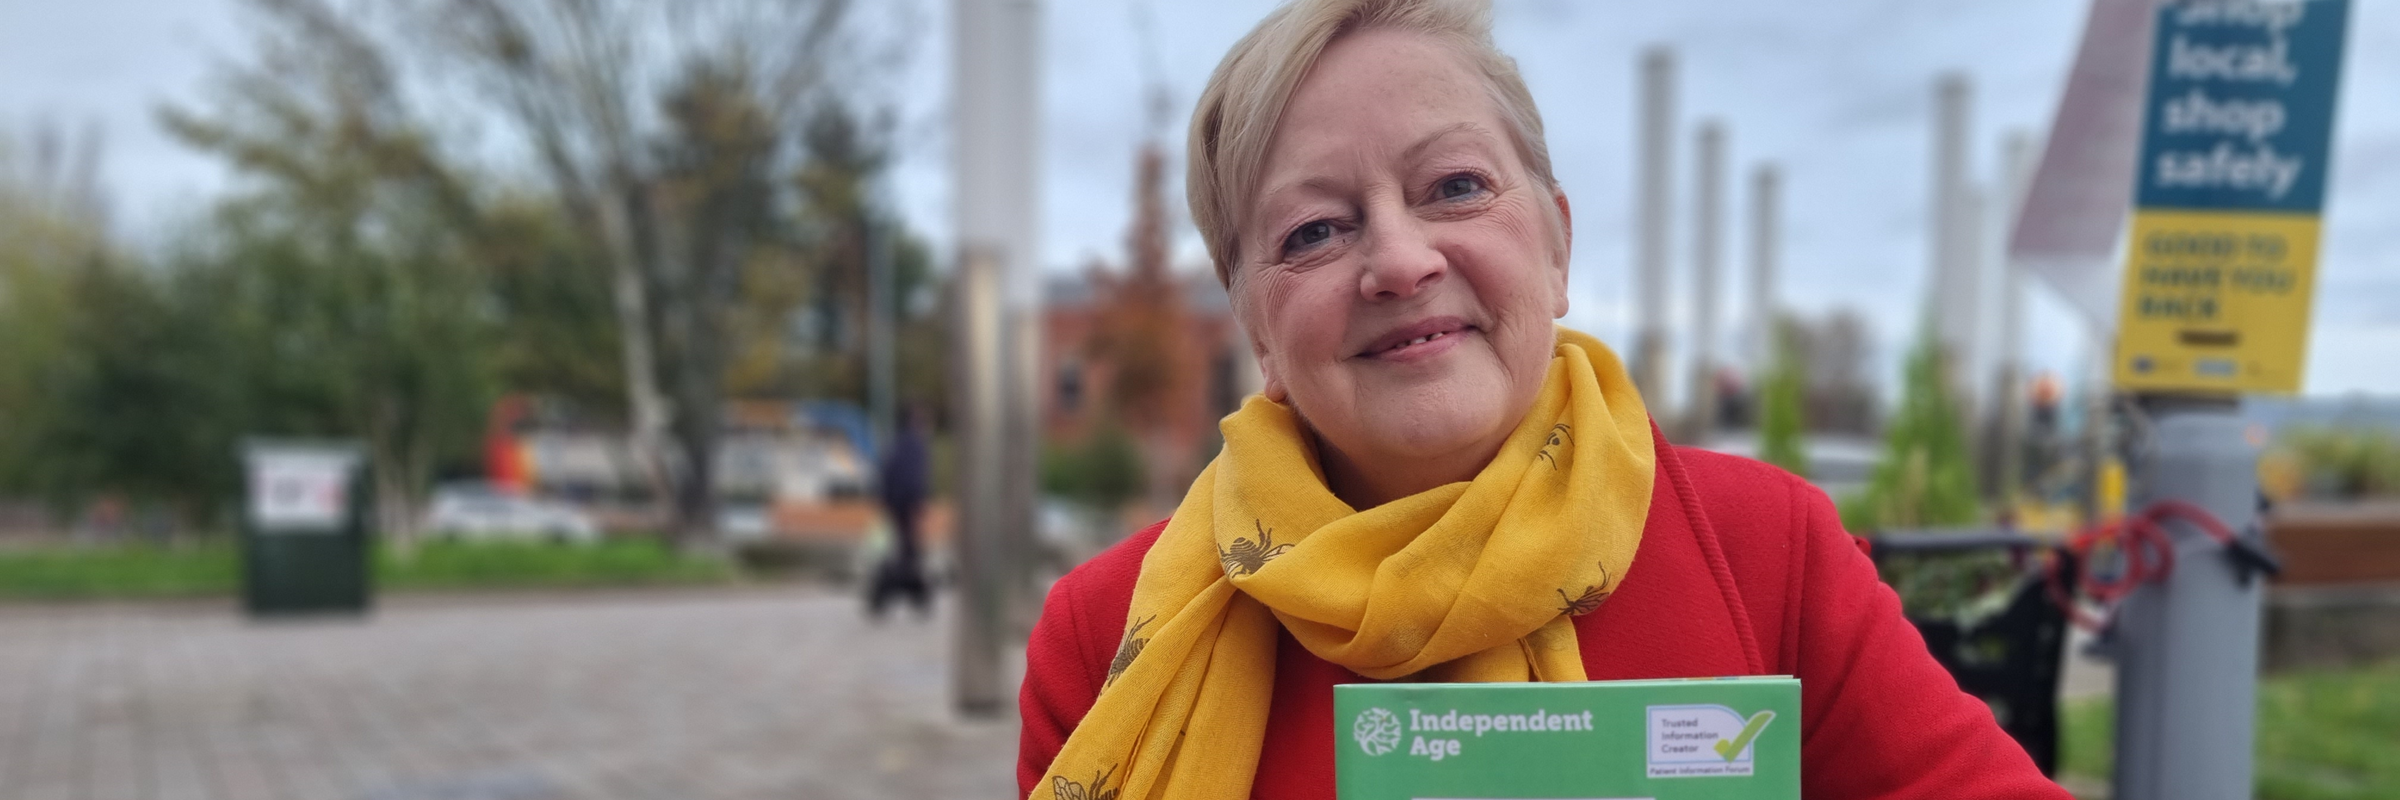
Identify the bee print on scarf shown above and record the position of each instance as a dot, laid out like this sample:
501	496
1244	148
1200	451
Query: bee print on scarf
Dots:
1587	602
1070	790
1560	435
1246	557
1127	651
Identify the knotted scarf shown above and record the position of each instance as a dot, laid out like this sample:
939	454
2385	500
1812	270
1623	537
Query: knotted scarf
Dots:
1470	581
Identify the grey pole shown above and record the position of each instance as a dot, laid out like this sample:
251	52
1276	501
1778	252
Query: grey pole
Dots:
1952	292
996	86
978	408
2187	648
1653	216
1764	183
2008	381
1021	467
1707	236
1020	24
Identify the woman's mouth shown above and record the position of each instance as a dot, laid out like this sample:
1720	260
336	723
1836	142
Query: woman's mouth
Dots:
1417	342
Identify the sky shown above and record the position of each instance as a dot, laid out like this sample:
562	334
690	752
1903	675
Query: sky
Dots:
1837	93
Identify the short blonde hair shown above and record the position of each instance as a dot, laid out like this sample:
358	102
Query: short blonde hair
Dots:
1245	98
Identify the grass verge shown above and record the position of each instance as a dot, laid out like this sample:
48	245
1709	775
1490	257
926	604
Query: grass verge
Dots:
214	569
2329	735
131	572
471	565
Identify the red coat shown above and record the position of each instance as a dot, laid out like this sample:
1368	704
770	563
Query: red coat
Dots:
1743	569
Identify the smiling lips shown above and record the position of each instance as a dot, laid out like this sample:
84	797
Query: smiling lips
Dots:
1421	338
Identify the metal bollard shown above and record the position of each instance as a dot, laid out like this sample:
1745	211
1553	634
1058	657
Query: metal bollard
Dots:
2187	648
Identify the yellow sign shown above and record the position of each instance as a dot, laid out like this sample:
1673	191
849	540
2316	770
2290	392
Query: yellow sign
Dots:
2216	301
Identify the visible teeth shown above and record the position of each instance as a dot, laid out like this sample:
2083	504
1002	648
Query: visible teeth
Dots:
1419	340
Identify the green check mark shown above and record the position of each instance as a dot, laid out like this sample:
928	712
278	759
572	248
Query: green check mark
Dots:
1733	747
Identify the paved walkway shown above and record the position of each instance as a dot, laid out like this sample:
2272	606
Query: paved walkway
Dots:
769	693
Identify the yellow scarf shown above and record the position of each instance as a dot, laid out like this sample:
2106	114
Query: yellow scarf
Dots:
1471	581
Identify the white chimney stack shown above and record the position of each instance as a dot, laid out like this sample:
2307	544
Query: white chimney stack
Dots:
1653	216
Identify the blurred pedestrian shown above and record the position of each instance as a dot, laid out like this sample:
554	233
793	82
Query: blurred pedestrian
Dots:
900	483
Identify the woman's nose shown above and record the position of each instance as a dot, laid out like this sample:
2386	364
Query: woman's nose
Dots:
1400	260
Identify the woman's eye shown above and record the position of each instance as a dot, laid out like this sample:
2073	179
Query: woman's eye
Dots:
1308	234
1457	186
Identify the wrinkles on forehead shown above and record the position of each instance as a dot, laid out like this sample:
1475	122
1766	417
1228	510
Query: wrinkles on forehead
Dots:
1410	154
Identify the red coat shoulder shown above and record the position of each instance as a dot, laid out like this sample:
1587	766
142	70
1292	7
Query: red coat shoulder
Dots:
1759	516
1880	718
1071	646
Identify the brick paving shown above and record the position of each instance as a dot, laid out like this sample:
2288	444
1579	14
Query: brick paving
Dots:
734	694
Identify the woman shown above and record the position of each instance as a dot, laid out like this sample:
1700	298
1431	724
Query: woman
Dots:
1439	484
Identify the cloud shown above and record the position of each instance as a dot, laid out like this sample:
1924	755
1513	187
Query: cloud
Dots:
1838	93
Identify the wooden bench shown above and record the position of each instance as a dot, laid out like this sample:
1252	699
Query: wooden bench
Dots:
2337	602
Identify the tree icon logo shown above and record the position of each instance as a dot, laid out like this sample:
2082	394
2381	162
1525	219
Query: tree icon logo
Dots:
1376	730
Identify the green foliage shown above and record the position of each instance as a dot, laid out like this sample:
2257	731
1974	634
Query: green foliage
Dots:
553	312
279	324
1925	477
374	280
125	403
213	568
510	564
1103	471
2321	735
46	246
1780	401
1961	586
2087	737
2345	463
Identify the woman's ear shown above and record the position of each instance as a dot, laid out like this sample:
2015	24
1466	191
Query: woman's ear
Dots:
1566	248
1270	384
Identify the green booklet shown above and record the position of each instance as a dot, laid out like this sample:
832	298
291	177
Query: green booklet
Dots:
1718	738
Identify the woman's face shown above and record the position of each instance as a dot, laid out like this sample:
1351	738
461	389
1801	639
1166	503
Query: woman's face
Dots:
1400	267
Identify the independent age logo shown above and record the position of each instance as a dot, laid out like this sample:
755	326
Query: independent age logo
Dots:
1376	730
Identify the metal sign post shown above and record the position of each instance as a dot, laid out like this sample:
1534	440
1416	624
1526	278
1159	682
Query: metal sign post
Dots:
2216	291
2187	646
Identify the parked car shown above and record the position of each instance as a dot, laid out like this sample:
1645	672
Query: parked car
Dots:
1839	464
477	511
745	522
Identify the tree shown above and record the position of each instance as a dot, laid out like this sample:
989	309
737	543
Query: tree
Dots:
555	318
807	328
347	279
570	76
320	304
1925	477
130	410
1140	331
658	131
50	229
716	186
1780	398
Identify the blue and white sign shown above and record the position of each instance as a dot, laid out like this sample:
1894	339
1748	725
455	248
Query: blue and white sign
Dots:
2240	112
